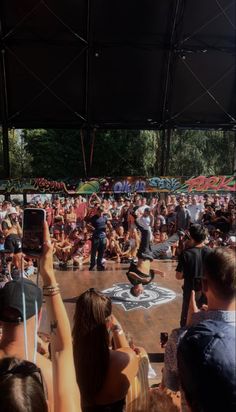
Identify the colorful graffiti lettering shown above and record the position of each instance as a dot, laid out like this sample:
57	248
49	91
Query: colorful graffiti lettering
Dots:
16	185
212	183
164	183
128	184
49	185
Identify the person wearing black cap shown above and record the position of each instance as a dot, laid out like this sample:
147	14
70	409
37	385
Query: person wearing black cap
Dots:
11	318
15	390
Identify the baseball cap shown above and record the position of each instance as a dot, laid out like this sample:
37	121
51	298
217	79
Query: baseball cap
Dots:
207	364
11	298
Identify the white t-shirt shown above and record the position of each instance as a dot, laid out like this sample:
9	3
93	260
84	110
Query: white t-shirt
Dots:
194	211
2	215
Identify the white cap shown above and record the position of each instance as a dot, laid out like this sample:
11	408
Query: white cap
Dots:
12	210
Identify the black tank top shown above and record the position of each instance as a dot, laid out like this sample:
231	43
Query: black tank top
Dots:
118	406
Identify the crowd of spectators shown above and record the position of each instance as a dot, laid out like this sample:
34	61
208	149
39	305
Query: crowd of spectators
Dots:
94	368
69	221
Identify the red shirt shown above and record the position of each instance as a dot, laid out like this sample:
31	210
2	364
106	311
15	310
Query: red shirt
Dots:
80	210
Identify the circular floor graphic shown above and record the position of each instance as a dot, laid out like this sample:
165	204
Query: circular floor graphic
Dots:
153	295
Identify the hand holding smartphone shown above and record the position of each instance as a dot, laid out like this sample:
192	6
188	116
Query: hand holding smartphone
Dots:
33	231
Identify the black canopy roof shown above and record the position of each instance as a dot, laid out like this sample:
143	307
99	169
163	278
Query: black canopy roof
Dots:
118	64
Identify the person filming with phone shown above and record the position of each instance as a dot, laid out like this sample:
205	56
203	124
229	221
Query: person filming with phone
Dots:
28	381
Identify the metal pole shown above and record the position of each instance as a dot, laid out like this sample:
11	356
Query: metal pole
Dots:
163	150
234	165
169	133
4	103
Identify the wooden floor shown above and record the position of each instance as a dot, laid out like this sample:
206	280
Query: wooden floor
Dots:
144	325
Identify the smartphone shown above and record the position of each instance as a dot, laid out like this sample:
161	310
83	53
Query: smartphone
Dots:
33	229
163	339
197	284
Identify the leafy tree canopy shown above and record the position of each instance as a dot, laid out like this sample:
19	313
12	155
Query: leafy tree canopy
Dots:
58	154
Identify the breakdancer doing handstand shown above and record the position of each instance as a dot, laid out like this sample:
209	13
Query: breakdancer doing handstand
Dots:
141	274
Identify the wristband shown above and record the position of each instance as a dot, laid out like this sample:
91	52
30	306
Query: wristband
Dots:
118	329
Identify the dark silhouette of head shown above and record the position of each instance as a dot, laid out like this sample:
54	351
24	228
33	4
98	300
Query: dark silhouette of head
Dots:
22	387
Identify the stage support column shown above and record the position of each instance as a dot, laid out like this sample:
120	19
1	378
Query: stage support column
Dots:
5	144
234	165
163	152
169	134
4	104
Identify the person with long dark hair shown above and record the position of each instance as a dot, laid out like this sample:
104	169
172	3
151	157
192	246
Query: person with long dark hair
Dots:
104	374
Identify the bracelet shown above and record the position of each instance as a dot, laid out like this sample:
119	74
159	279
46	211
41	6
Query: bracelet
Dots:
51	287
53	293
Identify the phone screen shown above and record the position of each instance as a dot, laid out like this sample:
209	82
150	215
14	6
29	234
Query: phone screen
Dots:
32	243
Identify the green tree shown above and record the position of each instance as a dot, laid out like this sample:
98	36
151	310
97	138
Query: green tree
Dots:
195	152
20	158
55	153
125	152
58	153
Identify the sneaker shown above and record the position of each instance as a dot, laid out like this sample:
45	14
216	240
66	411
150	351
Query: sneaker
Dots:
147	256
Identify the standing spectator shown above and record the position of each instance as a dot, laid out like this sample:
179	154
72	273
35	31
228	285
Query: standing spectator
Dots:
3	210
194	211
70	219
98	223
49	213
190	268
171	220
216	202
222	219
125	215
81	209
183	216
206	353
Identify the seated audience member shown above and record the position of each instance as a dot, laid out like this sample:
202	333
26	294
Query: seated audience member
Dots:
104	375
22	385
81	251
113	250
63	251
58	228
134	243
28	266
219	287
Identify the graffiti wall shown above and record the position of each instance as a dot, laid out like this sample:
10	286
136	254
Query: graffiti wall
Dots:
120	185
